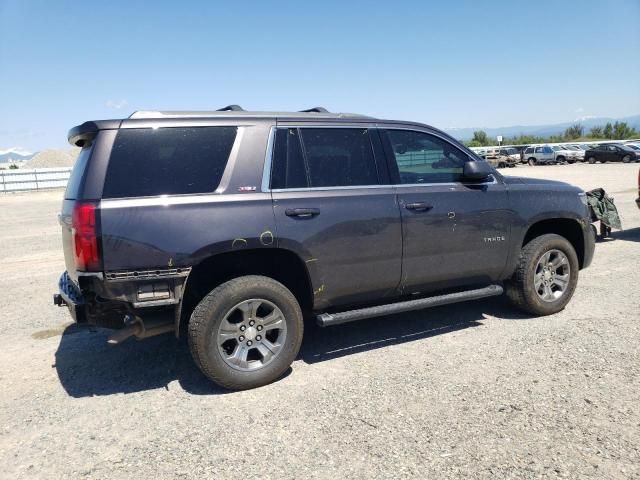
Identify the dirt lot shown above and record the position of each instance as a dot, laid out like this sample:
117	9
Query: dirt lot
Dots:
466	391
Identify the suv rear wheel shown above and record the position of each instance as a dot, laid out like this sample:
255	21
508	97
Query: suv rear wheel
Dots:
246	332
591	160
546	275
532	161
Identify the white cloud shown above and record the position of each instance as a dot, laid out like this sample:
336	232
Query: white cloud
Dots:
579	110
17	150
116	104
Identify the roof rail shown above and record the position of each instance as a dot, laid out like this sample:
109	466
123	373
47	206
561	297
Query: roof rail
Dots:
231	108
315	110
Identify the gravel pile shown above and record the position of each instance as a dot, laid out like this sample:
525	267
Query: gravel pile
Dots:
53	158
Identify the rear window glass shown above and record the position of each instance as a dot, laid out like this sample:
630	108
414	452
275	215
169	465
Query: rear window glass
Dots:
77	174
167	161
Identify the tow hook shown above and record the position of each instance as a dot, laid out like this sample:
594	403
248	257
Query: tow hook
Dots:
58	300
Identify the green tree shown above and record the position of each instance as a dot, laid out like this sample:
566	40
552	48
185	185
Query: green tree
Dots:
621	131
480	138
574	131
608	130
596	132
13	166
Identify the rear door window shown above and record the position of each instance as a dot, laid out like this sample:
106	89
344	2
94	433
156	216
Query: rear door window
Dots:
339	157
323	157
167	161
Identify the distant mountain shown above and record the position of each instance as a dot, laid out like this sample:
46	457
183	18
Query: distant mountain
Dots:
15	155
541	130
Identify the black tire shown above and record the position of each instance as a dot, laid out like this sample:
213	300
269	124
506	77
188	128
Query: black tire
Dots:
210	312
521	289
626	159
591	160
532	161
560	159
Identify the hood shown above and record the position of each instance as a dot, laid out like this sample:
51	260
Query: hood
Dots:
538	182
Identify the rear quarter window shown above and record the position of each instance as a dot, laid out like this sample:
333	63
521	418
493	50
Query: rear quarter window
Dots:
167	161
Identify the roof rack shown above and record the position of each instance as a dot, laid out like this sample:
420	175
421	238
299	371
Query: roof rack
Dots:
315	110
231	108
237	111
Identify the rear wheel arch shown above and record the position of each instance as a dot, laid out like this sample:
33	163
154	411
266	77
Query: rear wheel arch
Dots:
279	264
568	228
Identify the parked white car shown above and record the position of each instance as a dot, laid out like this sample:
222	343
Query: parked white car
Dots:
539	155
569	154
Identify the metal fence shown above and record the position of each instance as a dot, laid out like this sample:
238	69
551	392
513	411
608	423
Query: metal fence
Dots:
33	179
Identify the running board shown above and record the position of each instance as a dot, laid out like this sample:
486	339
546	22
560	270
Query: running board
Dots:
328	319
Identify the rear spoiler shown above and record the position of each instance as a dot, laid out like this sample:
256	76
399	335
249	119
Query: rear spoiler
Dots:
82	134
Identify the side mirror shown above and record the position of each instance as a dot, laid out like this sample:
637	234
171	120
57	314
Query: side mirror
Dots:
476	171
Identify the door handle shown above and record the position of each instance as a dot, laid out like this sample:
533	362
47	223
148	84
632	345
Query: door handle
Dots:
418	206
302	212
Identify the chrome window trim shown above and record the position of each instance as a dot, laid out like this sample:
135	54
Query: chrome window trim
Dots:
343	187
266	173
169	200
391	185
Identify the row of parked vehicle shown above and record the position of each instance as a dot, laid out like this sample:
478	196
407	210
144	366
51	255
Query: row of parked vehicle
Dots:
509	156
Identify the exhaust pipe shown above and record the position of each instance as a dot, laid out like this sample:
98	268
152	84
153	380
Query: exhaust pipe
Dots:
136	327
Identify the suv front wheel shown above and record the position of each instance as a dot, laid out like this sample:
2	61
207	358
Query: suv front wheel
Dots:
546	275
246	332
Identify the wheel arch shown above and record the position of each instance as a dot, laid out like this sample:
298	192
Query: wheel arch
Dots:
568	228
280	264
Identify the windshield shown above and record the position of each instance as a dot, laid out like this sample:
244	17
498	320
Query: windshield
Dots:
633	147
626	147
557	148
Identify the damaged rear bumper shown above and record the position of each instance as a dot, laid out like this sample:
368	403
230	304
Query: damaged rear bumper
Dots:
151	299
71	297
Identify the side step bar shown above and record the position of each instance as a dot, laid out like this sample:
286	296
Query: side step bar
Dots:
328	319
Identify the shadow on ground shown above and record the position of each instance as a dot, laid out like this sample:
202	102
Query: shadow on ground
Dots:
629	235
88	366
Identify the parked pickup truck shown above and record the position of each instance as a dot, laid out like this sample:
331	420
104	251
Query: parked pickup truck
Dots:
230	227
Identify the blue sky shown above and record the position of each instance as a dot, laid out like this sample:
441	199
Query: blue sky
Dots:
450	64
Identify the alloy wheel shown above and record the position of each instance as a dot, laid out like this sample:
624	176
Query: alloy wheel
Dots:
552	275
251	334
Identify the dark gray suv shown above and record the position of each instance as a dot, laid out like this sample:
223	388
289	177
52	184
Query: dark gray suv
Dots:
230	227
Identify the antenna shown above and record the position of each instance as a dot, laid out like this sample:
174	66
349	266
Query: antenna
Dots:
315	110
231	108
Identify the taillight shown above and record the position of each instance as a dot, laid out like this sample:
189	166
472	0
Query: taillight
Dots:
85	237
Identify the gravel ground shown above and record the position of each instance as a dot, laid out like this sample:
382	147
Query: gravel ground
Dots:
465	391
